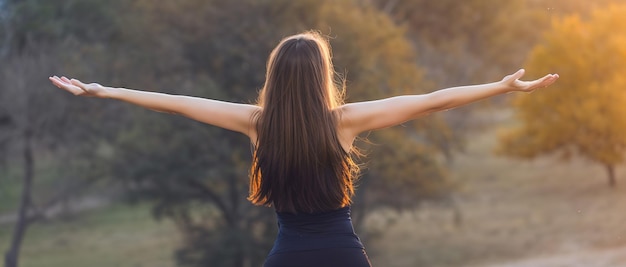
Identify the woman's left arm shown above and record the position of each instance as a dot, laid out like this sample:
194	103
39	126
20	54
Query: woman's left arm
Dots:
371	115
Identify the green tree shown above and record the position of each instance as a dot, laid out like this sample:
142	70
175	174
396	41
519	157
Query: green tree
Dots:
198	175
38	123
35	120
583	113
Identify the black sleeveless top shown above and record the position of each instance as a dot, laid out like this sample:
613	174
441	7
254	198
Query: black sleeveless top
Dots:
314	231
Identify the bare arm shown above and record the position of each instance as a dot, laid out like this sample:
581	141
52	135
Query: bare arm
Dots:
231	116
371	115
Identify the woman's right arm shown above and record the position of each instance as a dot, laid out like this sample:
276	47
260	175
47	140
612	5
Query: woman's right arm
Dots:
231	116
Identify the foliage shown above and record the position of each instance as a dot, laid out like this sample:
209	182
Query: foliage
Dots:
36	120
583	113
570	7
466	43
197	174
469	42
380	62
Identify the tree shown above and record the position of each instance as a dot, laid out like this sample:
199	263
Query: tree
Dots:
380	62
570	7
468	42
198	175
34	119
583	114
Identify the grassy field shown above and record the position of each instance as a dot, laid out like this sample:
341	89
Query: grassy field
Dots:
10	189
511	210
114	236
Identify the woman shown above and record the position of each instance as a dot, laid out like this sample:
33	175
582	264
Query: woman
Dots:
303	135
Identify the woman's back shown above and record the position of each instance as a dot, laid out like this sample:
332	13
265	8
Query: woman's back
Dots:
299	162
301	166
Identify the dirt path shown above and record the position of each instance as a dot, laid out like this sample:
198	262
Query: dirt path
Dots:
615	257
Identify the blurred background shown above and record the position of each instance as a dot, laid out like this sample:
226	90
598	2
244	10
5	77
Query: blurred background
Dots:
518	180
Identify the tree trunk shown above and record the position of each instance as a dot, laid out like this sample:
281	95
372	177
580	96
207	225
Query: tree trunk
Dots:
12	255
610	169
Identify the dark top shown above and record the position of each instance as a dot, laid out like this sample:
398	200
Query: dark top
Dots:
314	231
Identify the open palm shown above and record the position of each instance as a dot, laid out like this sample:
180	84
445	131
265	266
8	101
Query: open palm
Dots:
78	88
513	82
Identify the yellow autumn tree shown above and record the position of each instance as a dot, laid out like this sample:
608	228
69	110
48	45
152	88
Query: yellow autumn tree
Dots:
585	111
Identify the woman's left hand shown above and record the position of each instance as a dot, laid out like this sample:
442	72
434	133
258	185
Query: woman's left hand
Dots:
512	81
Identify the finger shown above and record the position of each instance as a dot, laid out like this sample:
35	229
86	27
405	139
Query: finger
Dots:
549	79
56	78
65	79
65	86
517	75
542	79
545	81
54	81
57	81
77	83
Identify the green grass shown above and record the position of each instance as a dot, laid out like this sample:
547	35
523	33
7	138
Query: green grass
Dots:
47	178
10	189
118	235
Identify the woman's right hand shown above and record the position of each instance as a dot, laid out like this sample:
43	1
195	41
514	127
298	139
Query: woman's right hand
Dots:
78	88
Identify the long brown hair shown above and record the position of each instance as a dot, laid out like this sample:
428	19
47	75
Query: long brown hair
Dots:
299	164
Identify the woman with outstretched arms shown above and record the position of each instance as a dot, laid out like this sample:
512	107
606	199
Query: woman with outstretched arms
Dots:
302	134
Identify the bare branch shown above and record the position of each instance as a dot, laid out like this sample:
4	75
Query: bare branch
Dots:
213	197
